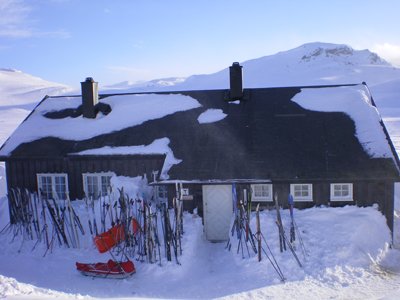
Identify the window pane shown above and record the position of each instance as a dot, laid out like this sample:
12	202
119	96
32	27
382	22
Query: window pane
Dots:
45	186
92	186
105	184
258	192
343	191
301	192
60	187
261	192
266	191
53	186
162	192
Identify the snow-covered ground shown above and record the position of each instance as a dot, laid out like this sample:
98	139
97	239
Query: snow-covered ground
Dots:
341	263
349	257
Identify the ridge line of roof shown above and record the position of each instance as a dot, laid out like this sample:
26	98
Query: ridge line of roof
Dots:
104	95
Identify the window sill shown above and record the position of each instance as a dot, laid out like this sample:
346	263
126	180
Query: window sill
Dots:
341	199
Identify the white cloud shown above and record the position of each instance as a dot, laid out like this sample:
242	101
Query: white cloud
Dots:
14	16
389	52
16	21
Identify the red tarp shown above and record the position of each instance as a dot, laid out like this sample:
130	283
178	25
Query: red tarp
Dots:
112	269
110	238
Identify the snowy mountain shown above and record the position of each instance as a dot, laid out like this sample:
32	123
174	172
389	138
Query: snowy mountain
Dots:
18	88
309	64
152	85
19	94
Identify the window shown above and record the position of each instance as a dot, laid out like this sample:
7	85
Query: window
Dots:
53	186
301	192
341	192
96	184
162	192
261	192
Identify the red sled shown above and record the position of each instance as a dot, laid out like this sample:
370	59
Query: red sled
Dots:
110	269
110	238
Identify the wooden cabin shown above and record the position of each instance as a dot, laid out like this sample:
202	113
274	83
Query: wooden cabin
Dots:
325	145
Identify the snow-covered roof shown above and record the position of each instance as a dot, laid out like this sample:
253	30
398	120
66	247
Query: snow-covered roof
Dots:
314	130
159	146
355	101
126	111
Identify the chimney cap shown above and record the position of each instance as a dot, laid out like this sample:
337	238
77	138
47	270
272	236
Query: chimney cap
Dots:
89	79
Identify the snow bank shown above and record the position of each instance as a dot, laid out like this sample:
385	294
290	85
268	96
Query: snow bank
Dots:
133	187
211	116
127	111
340	243
4	215
159	146
355	102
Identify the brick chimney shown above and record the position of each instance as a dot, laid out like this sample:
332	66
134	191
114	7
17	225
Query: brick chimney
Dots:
90	97
236	82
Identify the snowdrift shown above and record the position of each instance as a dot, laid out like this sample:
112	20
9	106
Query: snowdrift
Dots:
345	247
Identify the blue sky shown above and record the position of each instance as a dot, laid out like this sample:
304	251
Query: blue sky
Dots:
117	40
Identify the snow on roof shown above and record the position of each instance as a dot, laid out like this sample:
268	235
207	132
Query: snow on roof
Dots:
355	102
159	146
127	111
211	115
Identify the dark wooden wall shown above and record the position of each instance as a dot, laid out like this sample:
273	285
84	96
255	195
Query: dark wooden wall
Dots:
21	173
365	193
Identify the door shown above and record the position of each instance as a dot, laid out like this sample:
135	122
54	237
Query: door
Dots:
217	207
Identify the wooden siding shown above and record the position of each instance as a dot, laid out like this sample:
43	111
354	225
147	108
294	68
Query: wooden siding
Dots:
365	193
21	173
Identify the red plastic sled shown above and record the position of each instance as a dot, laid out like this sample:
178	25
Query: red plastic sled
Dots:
110	238
135	226
110	269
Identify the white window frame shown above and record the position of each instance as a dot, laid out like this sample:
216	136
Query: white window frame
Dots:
54	188
261	198
348	197
300	198
98	177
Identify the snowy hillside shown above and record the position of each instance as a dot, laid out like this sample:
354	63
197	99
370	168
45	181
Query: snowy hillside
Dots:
155	84
309	64
18	88
19	94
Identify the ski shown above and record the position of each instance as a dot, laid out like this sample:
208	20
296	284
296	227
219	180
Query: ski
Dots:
292	230
258	232
283	241
282	244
